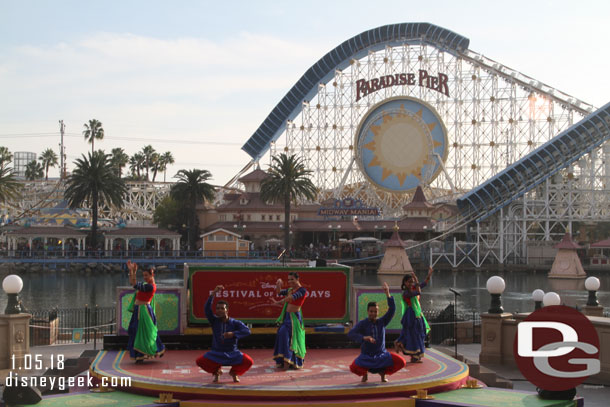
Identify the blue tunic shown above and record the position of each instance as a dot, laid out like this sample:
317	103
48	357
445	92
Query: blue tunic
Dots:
373	356
224	350
413	333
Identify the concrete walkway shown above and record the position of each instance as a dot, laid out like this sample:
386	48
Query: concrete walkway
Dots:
595	394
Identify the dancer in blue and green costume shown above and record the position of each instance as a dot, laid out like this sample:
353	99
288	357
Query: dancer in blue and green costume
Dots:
289	349
144	341
412	337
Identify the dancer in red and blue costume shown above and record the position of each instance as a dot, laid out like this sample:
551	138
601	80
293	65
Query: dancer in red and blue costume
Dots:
144	341
370	333
226	332
412	337
289	351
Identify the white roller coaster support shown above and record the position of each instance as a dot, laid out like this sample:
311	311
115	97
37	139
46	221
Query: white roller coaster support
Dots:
440	161
339	188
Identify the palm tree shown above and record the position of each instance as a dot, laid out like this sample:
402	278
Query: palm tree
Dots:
48	158
33	171
119	160
192	189
93	130
94	182
5	157
288	181
149	154
155	165
166	159
9	186
136	163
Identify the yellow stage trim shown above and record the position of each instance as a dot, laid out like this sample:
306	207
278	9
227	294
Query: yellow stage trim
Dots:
213	390
394	402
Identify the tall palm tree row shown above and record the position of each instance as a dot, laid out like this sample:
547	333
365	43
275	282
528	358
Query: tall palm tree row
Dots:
94	182
150	156
93	130
136	164
6	157
48	158
9	186
287	182
192	188
119	160
147	161
33	171
166	159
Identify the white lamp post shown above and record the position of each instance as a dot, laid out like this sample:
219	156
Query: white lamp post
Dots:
496	286
12	286
537	296
550	299
592	285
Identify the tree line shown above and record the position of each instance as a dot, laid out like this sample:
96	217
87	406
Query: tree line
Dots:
97	181
144	165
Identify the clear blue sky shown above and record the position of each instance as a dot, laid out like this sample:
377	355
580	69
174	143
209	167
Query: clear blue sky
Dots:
158	71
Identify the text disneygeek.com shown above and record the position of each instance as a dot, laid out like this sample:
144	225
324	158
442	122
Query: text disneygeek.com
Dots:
62	383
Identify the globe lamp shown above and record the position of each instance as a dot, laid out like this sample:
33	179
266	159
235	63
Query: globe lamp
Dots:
550	299
537	296
592	285
496	286
12	285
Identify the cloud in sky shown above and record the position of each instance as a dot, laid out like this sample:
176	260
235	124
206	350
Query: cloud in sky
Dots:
188	88
213	73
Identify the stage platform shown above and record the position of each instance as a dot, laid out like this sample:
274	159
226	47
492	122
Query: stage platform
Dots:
325	380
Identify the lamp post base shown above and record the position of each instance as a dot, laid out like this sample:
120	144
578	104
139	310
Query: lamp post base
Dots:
592	300
496	304
13	306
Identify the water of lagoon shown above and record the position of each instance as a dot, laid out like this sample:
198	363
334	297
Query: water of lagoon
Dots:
70	290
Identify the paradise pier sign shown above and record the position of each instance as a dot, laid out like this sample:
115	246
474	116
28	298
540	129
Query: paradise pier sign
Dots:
437	83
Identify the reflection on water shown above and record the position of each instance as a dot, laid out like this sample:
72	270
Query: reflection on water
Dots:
73	290
474	296
69	290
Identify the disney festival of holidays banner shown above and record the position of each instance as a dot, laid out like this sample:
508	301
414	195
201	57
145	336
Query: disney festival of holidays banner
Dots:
249	290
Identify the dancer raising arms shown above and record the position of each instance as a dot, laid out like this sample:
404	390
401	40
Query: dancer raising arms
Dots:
144	341
226	332
370	332
290	340
414	325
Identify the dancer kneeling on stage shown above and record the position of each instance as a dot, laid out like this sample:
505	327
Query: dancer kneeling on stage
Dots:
225	333
290	340
370	332
144	341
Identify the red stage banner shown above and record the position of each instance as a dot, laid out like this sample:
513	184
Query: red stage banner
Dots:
249	290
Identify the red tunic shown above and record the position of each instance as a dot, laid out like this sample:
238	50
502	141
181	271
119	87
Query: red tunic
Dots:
145	292
302	294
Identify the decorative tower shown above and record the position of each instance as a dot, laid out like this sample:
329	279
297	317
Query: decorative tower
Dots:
567	264
395	259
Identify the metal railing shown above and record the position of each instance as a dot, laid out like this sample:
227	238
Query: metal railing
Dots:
136	254
87	324
442	326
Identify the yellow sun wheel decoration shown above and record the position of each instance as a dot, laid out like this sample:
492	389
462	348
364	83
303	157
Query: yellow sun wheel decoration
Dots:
401	144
